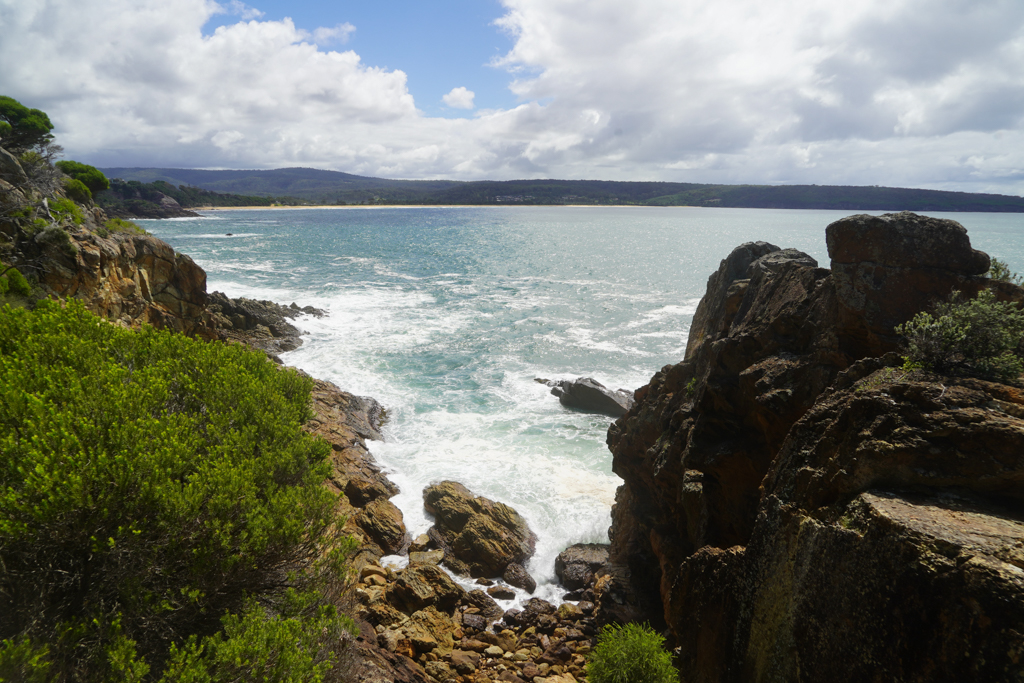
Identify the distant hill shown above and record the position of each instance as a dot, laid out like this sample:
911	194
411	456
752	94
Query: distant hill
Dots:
328	187
332	187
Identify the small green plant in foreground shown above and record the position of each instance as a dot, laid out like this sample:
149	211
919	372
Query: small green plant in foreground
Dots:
631	653
981	337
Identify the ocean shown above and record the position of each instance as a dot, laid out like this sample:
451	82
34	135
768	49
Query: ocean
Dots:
447	316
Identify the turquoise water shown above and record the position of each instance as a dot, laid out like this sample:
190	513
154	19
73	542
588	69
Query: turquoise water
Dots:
446	316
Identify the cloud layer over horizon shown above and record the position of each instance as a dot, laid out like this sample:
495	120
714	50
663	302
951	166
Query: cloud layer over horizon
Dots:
917	93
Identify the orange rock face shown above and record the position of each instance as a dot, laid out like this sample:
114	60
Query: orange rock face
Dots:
132	279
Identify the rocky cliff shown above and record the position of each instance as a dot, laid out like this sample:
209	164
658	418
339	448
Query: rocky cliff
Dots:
795	508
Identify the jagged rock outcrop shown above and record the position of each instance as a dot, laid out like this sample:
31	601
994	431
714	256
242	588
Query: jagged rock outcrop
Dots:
479	537
590	396
847	561
261	324
131	278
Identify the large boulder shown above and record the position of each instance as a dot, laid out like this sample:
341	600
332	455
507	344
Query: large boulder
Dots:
425	585
382	522
11	169
516	575
887	268
891	518
479	536
576	565
721	298
590	396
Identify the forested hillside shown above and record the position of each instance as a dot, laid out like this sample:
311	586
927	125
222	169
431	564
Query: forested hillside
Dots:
333	187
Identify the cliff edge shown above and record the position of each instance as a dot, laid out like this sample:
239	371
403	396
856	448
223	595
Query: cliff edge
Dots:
797	508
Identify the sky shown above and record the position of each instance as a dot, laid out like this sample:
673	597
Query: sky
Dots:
907	93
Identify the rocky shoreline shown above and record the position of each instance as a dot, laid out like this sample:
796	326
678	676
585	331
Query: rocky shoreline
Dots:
795	505
416	623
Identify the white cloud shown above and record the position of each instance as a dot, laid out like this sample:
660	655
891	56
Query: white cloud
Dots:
241	10
334	34
459	98
896	92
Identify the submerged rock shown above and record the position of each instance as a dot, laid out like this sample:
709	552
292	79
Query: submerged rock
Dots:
479	536
590	396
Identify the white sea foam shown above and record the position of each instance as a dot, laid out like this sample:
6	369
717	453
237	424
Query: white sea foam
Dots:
450	340
219	235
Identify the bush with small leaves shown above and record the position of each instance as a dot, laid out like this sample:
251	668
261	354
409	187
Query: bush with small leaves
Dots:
161	509
56	237
90	176
13	282
77	191
630	653
980	337
121	225
65	209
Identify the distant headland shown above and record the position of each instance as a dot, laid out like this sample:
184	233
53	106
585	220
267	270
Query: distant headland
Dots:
300	186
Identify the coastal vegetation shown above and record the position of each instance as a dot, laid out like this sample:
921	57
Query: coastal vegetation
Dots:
1000	270
630	653
162	513
82	176
982	337
21	128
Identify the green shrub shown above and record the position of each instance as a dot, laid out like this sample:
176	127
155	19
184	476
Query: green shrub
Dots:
980	337
65	209
1000	270
77	191
632	653
14	282
121	225
90	176
54	235
24	661
161	508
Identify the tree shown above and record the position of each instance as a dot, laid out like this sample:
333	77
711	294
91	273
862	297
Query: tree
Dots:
22	128
161	509
90	176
